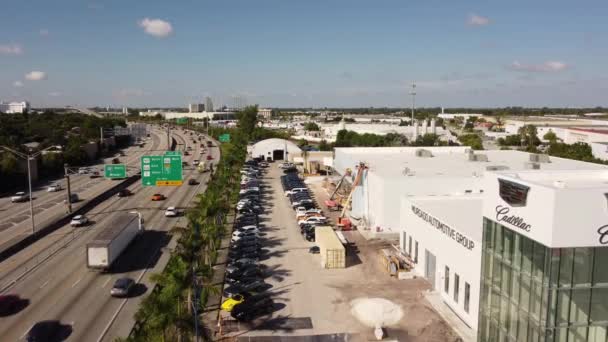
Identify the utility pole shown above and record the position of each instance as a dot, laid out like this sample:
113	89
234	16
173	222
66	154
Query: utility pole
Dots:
168	137
67	178
413	93
29	178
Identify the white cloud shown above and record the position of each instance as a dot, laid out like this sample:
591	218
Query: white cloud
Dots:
477	20
548	66
55	94
11	49
44	32
18	84
156	27
35	75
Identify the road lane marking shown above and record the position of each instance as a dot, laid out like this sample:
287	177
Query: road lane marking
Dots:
45	283
106	282
25	333
77	281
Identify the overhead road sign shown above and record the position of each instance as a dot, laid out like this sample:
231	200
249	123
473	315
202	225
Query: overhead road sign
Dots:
161	170
224	137
115	171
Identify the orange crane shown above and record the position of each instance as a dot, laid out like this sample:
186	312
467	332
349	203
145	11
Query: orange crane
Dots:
344	223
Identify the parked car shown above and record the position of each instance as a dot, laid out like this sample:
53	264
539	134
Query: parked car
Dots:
79	220
158	197
19	197
313	219
54	188
237	270
231	302
171	212
255	286
252	308
122	287
285	165
314	250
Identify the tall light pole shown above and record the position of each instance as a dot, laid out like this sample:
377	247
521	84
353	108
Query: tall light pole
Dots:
28	158
413	93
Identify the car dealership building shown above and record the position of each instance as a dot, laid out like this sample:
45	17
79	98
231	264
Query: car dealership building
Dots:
520	257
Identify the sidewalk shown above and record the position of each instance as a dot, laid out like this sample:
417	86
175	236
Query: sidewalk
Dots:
467	334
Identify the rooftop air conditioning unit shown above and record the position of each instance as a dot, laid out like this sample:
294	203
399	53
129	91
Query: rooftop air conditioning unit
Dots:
531	166
497	168
539	158
424	153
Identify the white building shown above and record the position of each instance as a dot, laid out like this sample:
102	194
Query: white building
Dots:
464	116
196	107
275	149
265	113
197	116
14	107
208	104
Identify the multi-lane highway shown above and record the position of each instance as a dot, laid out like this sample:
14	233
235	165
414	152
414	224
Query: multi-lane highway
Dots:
48	206
63	289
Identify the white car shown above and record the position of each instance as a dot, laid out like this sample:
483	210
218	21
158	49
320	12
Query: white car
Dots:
79	220
295	190
247	229
19	197
195	162
313	219
83	170
171	212
303	211
286	165
54	188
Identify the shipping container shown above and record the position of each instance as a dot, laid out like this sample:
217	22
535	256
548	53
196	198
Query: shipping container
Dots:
333	253
107	246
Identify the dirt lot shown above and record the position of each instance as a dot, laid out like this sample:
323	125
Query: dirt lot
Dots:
315	301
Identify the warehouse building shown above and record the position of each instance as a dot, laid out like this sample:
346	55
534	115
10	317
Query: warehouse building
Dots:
275	149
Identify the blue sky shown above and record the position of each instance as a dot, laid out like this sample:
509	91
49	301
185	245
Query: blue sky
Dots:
305	53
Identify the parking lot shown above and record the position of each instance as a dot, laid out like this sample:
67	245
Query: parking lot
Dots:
311	300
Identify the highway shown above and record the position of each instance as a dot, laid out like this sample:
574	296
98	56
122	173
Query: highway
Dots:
63	289
15	223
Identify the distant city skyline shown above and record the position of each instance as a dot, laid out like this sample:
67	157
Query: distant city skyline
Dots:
343	53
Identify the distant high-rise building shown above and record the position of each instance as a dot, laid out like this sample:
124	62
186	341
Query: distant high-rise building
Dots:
265	113
208	104
14	107
125	110
196	107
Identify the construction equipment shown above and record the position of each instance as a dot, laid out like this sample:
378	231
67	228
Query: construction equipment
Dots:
344	223
337	187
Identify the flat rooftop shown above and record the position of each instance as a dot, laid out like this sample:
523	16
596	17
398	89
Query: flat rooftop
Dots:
450	209
446	162
562	179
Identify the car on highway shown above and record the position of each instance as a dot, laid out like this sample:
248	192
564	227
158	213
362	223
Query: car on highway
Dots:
171	212
186	153
192	181
79	220
73	199
9	304
158	197
83	170
122	287
54	188
115	161
209	157
124	193
45	331
94	174
19	197
195	162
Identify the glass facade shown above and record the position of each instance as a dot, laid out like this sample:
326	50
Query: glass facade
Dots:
530	292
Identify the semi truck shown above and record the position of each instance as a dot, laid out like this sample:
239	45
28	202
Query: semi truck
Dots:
116	236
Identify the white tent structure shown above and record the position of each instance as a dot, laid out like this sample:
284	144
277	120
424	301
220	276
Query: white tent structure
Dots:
276	149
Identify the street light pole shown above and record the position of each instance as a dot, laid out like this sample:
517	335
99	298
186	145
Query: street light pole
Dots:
29	181
67	180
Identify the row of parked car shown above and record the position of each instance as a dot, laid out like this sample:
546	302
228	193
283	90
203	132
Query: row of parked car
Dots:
245	288
308	215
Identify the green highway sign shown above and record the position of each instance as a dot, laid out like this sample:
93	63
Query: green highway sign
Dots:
113	171
224	137
181	121
161	170
173	153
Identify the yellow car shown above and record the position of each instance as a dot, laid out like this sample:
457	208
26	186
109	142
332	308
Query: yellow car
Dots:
231	302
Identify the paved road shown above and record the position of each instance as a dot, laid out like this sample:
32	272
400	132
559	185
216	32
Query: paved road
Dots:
15	222
63	288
